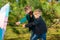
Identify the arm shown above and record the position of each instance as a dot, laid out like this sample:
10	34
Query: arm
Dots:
39	21
23	20
31	24
35	22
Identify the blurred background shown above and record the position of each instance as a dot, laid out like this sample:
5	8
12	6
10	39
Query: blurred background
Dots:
51	15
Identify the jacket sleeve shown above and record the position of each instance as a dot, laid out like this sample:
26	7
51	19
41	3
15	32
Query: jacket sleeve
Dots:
23	20
29	25
33	23
38	21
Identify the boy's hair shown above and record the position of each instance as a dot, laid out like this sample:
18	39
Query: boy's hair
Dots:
27	7
37	10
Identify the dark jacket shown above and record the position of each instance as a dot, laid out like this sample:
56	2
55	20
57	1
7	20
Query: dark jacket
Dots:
39	26
30	19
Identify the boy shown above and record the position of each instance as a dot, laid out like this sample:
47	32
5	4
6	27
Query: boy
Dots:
29	17
28	12
39	25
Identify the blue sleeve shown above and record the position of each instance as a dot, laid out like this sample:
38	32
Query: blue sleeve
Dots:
23	20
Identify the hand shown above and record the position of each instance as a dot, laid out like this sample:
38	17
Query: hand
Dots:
17	23
23	25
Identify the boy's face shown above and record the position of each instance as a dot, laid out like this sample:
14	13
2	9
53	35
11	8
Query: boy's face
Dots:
37	14
27	10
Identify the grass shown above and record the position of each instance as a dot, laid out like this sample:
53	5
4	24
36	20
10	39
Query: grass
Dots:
20	33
